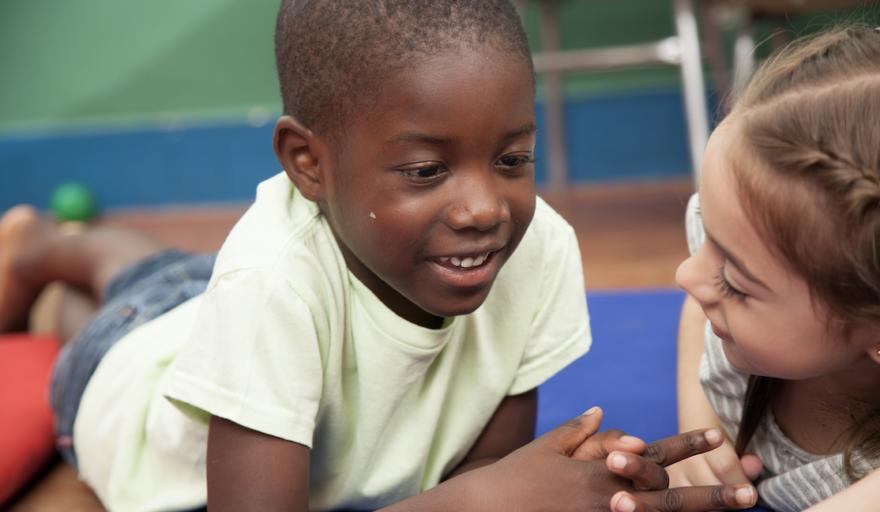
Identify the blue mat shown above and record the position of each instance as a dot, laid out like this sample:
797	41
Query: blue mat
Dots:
629	371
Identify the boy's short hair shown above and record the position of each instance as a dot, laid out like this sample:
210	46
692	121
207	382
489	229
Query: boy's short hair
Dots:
332	55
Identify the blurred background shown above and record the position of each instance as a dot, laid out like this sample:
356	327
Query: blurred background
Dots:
158	116
169	102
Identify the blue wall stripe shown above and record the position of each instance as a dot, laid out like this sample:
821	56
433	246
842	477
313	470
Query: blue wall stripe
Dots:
609	139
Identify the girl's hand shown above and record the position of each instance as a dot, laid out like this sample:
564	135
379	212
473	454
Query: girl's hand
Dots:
720	466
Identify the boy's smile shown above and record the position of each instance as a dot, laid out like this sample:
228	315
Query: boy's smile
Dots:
431	188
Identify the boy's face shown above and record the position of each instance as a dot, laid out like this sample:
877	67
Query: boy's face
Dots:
430	190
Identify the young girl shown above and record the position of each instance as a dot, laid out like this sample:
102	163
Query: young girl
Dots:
785	264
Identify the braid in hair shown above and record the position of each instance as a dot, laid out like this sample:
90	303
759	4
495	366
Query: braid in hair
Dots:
812	115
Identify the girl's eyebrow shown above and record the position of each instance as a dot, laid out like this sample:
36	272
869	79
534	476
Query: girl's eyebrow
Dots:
736	262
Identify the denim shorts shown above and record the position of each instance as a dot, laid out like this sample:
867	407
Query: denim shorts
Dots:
137	295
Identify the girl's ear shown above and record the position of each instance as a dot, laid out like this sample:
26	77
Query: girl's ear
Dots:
300	152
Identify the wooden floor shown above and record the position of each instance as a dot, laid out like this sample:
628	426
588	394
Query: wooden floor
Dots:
630	236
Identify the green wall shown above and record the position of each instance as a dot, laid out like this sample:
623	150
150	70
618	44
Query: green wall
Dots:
120	61
67	63
88	61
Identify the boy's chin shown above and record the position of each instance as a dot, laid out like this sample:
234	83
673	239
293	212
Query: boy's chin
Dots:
456	307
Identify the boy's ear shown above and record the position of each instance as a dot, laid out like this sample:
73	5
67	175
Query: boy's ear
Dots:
874	353
301	153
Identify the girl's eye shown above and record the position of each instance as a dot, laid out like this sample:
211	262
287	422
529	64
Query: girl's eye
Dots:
726	288
512	161
424	174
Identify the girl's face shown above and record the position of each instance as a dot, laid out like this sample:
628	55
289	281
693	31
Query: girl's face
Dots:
756	304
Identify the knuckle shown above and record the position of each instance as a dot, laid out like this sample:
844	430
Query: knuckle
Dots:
663	479
615	433
655	452
574	423
694	442
673	501
717	497
724	465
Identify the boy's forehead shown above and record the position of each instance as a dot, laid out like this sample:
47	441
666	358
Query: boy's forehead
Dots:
432	88
465	114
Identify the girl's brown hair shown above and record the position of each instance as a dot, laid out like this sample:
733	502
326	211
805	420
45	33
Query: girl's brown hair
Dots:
811	117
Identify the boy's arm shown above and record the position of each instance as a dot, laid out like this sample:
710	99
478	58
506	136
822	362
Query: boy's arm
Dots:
511	427
249	470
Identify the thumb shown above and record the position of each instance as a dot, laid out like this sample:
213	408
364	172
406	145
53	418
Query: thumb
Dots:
751	465
566	438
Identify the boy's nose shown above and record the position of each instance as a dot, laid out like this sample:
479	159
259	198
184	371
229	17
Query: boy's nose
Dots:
695	276
479	205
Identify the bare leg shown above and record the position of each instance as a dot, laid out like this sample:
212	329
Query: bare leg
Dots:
76	308
34	252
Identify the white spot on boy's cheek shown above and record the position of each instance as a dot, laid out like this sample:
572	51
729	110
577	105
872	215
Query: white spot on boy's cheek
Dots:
372	215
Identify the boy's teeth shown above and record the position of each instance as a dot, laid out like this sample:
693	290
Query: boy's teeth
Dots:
466	262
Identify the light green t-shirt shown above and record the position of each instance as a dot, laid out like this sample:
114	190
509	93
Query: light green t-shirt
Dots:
287	342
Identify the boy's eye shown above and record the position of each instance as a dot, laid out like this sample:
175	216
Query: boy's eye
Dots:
425	173
515	160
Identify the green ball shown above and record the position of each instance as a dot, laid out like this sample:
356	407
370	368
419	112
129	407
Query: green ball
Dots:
73	202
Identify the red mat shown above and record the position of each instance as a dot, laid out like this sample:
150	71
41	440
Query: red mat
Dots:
26	438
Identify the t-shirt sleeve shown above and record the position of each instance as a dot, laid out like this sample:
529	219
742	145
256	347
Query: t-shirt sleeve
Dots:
560	330
252	357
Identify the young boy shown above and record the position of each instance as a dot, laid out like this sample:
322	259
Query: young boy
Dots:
379	319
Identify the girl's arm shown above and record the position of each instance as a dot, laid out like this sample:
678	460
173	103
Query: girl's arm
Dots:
694	410
721	465
861	496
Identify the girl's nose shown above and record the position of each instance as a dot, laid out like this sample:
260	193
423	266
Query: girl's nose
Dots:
695	276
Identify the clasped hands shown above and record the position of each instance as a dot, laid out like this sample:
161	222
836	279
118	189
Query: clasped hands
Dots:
574	468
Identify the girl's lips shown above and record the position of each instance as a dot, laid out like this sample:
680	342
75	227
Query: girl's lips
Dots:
721	334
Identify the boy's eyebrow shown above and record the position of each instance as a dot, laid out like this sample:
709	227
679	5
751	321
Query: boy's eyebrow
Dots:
735	261
526	129
402	138
437	140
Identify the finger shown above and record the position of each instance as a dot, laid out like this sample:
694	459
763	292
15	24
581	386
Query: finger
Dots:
567	437
752	466
726	466
600	445
626	502
694	499
673	449
644	474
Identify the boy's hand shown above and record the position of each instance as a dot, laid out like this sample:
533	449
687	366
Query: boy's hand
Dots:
544	473
706	471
